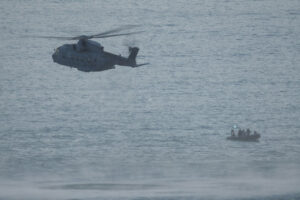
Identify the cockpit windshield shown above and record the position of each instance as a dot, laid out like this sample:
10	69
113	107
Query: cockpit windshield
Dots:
57	51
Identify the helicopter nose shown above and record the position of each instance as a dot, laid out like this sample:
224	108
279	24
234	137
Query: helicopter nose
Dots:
55	54
54	57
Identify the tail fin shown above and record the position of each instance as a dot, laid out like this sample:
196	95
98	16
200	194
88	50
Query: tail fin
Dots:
133	53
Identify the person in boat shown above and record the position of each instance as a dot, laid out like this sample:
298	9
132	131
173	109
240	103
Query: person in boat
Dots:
243	132
255	133
232	133
248	132
240	132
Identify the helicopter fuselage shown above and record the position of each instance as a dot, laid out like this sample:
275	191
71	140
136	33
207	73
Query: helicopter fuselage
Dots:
89	56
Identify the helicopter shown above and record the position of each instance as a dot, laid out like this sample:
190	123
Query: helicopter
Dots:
89	56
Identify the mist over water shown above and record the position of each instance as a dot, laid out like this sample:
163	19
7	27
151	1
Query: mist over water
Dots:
158	131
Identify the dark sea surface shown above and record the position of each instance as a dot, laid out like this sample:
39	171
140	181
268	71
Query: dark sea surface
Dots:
158	131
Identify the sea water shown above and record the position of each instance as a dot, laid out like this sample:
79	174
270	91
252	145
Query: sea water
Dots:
158	131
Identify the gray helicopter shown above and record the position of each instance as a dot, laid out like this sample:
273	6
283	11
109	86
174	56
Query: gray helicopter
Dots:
89	56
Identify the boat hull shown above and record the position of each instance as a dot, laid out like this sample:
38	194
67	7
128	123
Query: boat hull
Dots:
250	138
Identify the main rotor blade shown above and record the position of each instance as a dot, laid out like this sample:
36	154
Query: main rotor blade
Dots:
126	27
50	37
114	35
99	35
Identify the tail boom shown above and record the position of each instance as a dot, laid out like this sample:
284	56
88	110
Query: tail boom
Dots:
123	61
